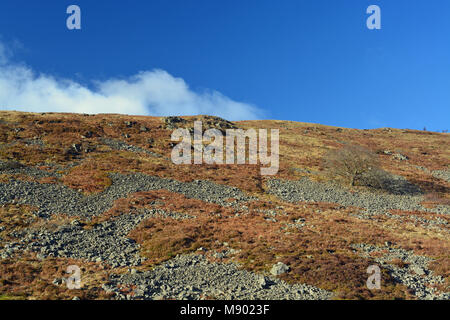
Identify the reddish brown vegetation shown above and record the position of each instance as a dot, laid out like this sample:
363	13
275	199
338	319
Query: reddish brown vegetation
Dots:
318	254
31	278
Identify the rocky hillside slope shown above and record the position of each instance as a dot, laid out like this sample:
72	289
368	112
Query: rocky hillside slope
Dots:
101	192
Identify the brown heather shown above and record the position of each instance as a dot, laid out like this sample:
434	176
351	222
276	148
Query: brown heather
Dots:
318	254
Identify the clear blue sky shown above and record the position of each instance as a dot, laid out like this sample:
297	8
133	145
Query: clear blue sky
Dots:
302	60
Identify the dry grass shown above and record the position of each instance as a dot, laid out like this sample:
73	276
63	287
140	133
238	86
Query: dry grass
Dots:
318	254
15	218
30	278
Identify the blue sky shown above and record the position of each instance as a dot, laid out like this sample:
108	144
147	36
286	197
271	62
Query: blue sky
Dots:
301	60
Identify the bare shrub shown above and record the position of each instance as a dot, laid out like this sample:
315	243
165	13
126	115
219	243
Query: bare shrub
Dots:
355	165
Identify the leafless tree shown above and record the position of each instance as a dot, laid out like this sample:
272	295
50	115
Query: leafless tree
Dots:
353	164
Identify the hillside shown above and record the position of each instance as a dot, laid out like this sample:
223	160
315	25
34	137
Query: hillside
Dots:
101	192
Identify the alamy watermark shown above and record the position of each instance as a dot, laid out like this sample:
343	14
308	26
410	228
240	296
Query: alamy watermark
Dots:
74	281
235	144
374	280
374	20
73	22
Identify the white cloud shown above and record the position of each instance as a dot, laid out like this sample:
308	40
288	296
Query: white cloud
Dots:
147	93
4	54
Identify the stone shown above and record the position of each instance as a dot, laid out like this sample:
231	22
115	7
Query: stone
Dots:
139	292
418	270
172	120
262	282
279	268
129	124
75	223
88	134
76	147
399	156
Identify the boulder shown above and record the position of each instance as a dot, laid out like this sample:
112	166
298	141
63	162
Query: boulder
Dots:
279	268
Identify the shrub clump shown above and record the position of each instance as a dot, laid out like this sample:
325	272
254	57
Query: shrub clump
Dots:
354	165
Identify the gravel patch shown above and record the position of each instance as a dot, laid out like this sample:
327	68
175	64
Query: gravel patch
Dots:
373	203
34	142
105	242
53	199
120	145
442	174
194	277
30	171
431	224
415	275
208	122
